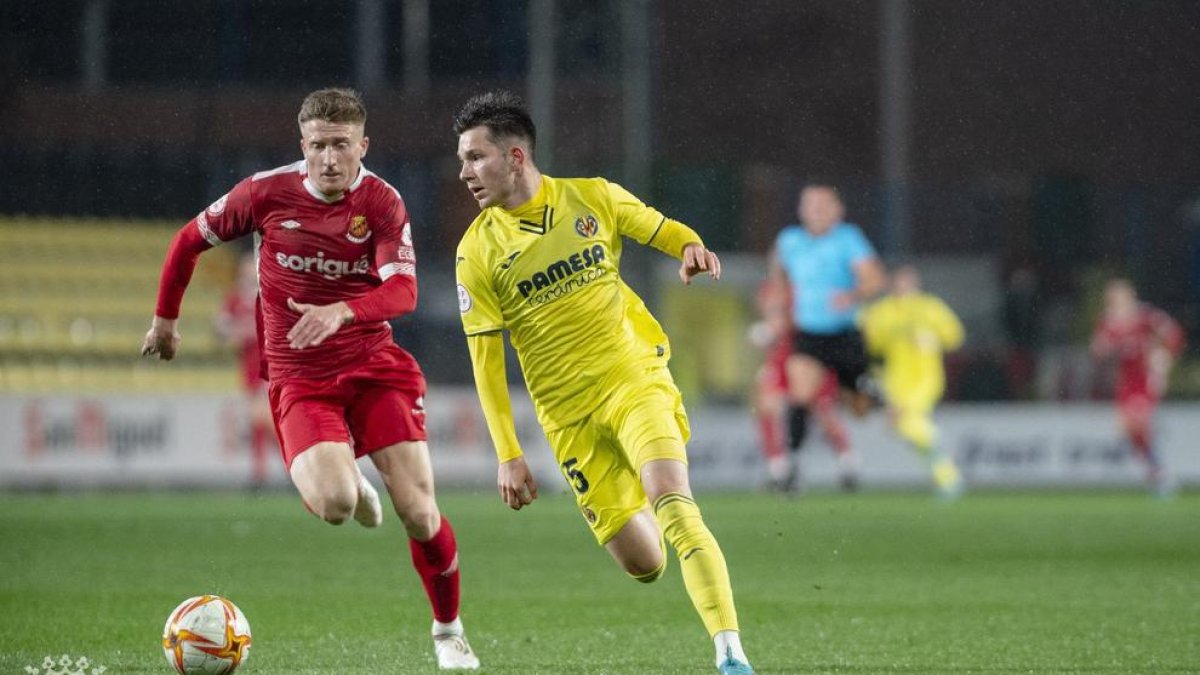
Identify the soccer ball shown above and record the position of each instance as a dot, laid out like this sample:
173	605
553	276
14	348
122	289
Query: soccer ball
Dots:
206	635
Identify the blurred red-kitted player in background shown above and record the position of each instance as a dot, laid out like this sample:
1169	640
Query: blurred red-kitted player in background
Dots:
237	325
1144	341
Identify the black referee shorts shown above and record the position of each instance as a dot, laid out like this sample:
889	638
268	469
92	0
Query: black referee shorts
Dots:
844	353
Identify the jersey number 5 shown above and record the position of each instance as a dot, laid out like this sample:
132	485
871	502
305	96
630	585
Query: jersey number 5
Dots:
575	476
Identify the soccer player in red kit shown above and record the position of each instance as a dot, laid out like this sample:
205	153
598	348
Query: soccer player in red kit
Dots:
1145	342
335	261
237	324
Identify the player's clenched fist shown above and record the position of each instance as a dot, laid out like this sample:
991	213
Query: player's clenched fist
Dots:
162	339
697	259
317	322
516	484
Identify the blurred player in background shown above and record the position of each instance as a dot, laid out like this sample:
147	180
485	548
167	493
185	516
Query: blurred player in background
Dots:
237	324
541	261
1145	342
335	262
910	330
773	334
830	270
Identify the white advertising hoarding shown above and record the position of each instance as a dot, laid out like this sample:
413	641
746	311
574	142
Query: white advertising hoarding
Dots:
201	440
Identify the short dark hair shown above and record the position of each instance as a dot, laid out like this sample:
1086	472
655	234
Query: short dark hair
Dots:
822	184
502	112
338	105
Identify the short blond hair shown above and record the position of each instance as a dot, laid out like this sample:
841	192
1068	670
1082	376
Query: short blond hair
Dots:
335	104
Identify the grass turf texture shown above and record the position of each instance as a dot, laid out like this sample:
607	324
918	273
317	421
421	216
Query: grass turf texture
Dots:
876	583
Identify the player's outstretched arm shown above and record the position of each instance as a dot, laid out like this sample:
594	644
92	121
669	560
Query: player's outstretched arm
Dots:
948	326
513	479
162	340
696	259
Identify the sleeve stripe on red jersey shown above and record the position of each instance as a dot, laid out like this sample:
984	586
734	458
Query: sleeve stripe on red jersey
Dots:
390	269
206	231
294	167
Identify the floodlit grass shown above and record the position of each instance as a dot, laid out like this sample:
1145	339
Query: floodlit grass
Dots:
875	583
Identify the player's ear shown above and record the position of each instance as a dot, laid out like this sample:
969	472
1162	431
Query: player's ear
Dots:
365	142
517	156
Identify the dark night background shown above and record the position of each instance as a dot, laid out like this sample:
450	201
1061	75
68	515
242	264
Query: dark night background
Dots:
1056	140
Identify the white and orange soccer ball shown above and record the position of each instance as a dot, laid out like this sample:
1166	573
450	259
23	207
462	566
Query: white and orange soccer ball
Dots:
206	635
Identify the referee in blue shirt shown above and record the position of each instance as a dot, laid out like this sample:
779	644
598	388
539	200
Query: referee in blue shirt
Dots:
831	270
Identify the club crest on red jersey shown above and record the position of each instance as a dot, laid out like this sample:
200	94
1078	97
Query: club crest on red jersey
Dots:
587	226
359	230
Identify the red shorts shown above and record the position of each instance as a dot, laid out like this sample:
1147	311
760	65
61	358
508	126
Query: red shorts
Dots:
773	375
1136	397
375	404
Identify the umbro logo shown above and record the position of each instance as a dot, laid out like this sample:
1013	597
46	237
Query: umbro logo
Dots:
290	225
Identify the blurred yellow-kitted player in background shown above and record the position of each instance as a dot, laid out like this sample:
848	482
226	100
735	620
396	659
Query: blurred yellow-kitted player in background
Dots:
910	330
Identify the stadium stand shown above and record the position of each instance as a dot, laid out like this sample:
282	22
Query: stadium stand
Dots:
76	298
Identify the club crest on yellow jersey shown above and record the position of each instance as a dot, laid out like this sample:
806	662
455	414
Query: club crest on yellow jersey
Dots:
587	226
359	231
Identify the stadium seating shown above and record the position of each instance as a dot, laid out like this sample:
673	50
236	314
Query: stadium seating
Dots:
76	299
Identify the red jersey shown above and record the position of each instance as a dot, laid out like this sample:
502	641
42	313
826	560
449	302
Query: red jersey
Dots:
318	252
1133	342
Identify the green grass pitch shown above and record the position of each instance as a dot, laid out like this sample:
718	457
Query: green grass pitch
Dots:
874	583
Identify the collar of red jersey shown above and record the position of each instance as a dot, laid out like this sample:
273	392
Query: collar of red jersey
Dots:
312	189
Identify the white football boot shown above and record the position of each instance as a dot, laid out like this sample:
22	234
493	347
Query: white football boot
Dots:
367	511
451	646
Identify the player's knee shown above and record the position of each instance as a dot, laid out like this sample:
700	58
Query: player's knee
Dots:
421	522
664	476
647	569
334	506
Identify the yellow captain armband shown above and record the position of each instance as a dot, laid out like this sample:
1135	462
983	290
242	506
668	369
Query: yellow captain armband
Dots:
491	383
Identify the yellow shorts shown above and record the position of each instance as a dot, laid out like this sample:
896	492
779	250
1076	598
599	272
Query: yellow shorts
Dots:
601	455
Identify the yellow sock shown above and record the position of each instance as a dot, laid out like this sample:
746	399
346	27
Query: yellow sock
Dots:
700	558
917	428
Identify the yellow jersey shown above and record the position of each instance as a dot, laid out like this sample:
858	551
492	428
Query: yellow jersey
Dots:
548	273
911	332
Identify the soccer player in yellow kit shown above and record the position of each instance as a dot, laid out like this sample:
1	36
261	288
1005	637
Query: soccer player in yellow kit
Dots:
542	262
910	330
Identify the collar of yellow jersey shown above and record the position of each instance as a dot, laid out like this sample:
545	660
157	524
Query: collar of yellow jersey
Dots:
532	209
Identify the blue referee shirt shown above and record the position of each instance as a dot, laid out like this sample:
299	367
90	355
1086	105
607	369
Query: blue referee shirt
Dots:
819	268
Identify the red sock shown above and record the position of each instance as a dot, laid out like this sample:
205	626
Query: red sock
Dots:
436	561
259	438
831	425
1140	438
768	430
1143	446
